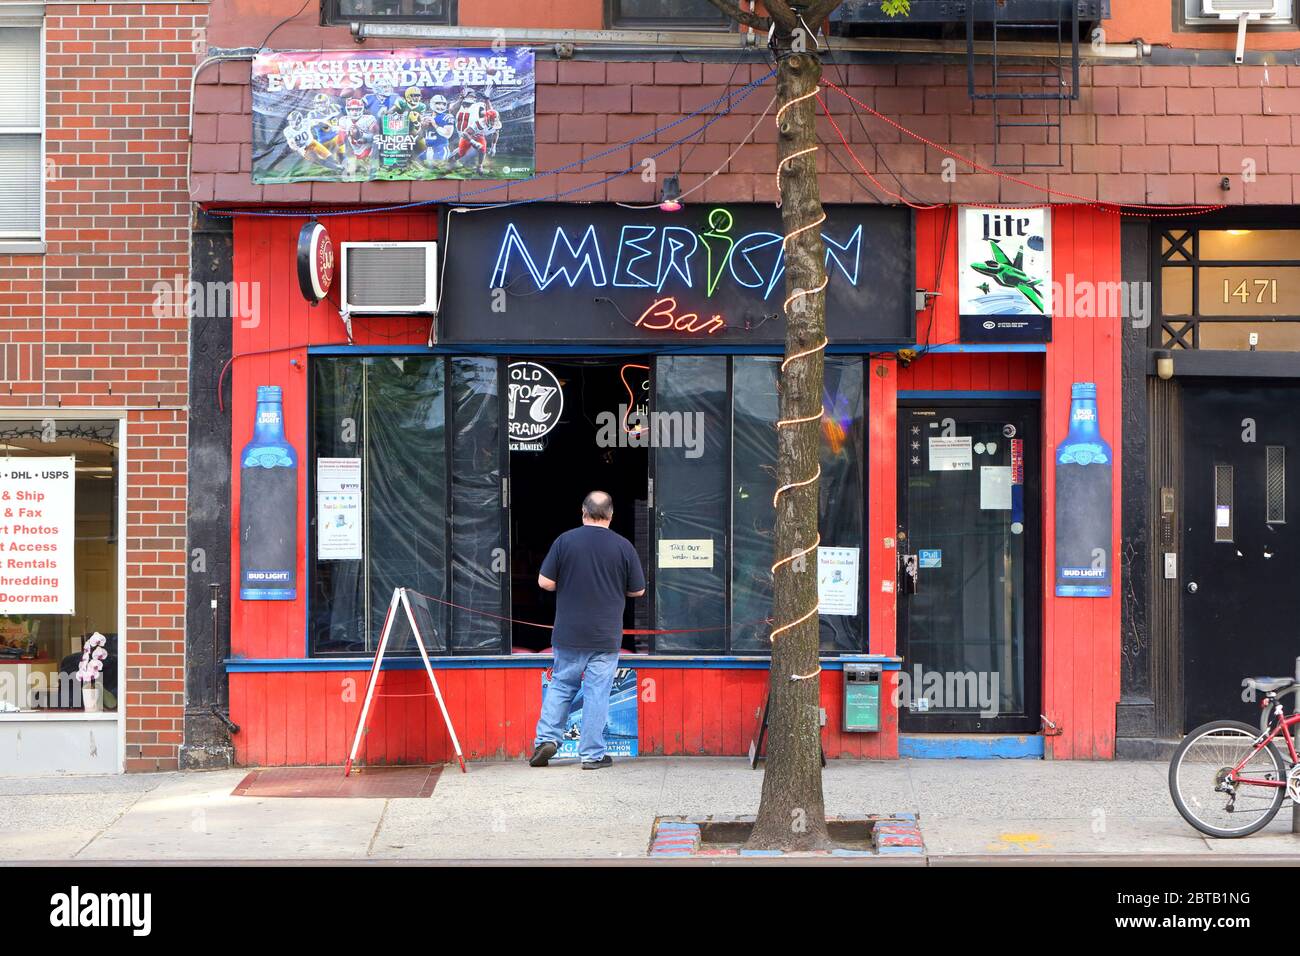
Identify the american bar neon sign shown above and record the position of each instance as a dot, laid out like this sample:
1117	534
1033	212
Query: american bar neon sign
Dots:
656	258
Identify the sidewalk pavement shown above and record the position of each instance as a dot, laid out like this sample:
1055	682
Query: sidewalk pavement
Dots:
970	811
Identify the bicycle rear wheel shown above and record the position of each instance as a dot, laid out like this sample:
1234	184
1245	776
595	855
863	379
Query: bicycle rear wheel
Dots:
1201	764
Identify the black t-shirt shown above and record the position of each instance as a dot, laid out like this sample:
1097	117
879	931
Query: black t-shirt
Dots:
593	569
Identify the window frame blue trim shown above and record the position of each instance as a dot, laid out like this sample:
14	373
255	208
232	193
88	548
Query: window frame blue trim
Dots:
247	665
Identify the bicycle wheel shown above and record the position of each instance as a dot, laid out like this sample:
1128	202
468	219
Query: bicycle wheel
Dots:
1201	764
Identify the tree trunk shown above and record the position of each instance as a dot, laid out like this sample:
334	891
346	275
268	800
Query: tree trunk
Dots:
792	814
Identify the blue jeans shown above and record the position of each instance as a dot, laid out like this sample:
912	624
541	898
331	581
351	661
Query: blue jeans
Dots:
593	671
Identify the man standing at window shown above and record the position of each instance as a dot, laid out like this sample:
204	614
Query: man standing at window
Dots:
592	571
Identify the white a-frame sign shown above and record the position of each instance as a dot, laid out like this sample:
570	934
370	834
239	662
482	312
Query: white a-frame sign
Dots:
400	599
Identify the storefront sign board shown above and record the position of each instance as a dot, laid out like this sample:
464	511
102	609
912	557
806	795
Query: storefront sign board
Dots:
418	114
605	274
1004	274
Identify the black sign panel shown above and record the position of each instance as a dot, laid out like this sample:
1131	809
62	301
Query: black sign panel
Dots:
608	275
992	329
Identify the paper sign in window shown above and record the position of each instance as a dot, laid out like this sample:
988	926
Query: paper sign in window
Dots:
950	454
837	581
686	553
995	488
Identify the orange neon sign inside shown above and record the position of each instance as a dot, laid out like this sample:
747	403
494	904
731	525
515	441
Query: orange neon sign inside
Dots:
662	317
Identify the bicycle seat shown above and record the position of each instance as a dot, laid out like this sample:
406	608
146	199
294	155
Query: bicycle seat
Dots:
1269	684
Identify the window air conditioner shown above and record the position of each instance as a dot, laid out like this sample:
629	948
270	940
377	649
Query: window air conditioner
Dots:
1241	11
1234	9
389	278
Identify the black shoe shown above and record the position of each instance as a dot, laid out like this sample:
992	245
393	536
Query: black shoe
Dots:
605	761
543	753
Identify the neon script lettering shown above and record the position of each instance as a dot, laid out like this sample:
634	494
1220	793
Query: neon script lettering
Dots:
662	317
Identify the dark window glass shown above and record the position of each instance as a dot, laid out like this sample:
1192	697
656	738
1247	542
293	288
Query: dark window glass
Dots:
477	518
691	503
754	416
843	487
688	12
337	606
415	11
841	500
390	413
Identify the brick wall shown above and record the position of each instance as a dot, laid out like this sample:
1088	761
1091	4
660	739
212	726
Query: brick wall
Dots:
79	325
1140	134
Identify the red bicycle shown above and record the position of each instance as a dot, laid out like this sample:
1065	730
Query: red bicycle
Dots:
1227	778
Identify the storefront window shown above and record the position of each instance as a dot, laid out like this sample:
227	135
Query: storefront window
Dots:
75	574
842	495
753	454
478	550
690	511
388	412
433	518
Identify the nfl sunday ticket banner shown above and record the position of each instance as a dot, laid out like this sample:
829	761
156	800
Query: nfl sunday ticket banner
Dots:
418	114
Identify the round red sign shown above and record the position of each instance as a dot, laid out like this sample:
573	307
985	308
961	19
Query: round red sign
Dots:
315	262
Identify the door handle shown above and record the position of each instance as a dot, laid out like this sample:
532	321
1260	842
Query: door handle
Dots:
1191	587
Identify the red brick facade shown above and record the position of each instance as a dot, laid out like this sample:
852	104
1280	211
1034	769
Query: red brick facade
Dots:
1163	135
81	327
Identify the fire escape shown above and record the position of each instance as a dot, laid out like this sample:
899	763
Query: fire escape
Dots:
1021	55
1027	92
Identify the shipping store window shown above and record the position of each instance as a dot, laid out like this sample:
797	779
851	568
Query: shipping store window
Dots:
667	14
389	11
22	120
59	564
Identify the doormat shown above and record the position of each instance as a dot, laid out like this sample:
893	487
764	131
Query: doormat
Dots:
376	783
898	834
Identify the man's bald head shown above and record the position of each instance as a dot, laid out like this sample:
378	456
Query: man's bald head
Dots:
598	506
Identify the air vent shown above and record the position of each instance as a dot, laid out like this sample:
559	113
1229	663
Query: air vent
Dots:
387	278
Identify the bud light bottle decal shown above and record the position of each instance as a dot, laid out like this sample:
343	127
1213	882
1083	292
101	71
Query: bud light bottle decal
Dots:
1083	501
268	506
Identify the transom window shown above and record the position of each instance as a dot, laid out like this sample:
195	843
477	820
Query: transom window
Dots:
1235	289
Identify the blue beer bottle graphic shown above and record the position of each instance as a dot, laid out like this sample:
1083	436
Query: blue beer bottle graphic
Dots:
268	506
1083	501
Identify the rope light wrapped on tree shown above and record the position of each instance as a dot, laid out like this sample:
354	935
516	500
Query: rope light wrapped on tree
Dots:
791	813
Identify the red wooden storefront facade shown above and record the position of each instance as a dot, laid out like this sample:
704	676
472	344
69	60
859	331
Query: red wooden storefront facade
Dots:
294	709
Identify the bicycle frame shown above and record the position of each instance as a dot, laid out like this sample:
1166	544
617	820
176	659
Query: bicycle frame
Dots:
1286	723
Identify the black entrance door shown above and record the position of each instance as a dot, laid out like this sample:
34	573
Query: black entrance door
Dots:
969	540
1241	547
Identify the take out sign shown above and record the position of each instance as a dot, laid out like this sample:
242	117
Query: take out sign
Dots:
686	553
